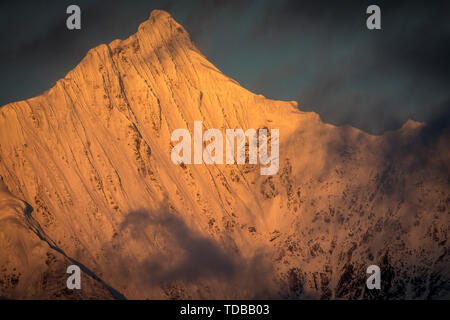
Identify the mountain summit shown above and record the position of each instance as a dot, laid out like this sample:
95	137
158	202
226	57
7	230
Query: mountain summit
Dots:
88	166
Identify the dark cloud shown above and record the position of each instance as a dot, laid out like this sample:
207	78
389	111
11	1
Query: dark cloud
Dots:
374	80
187	257
199	257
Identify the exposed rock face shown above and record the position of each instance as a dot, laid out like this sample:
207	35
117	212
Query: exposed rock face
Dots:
91	157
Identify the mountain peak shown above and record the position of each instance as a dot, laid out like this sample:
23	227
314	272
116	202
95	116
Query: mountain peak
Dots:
160	14
411	125
163	24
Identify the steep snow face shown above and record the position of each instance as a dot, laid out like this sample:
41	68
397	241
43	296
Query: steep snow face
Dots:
32	266
91	156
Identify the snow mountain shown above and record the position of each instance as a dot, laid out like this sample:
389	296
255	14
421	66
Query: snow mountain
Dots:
87	179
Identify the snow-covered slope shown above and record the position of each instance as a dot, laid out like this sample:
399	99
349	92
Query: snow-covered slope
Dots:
32	265
91	157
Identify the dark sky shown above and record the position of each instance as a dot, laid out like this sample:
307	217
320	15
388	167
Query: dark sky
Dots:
319	53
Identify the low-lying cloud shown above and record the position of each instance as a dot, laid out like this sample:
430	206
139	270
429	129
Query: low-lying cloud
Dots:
185	257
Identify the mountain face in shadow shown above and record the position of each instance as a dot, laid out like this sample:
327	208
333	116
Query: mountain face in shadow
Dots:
91	157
